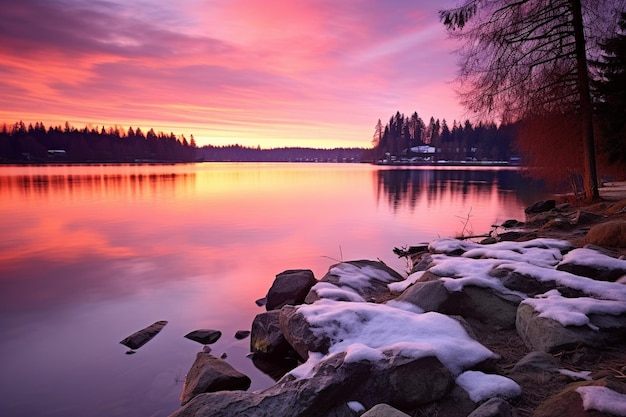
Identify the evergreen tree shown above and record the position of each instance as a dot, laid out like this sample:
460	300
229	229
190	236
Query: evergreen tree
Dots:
610	92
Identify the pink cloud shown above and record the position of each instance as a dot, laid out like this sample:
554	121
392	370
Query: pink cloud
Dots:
273	73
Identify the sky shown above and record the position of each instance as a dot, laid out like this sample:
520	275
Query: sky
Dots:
269	73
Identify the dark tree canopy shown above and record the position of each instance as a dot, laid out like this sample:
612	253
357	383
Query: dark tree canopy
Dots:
610	92
525	59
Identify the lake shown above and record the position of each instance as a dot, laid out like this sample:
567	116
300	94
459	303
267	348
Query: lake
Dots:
92	253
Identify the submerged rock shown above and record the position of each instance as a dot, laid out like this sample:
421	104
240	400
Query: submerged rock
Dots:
143	336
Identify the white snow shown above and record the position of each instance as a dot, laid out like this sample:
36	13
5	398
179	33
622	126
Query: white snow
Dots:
333	292
350	279
365	330
356	406
448	245
603	399
371	332
582	375
459	272
590	257
400	286
481	386
357	276
600	289
532	255
573	311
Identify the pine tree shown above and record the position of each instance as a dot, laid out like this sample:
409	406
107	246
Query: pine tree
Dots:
610	92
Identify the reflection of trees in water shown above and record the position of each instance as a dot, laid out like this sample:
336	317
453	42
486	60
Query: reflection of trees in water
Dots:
96	185
410	187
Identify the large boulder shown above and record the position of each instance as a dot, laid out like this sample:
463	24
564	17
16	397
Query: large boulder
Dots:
549	335
483	304
393	379
266	338
289	287
361	280
592	264
210	374
299	334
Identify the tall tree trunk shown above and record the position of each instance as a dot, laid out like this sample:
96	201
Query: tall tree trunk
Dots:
586	109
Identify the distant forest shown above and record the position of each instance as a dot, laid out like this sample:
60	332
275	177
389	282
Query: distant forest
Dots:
398	140
37	144
406	138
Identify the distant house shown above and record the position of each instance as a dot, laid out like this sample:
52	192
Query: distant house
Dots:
57	154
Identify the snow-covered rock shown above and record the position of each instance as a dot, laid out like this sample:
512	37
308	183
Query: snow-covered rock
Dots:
361	280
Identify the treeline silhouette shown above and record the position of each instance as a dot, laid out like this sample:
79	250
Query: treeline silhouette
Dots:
238	153
38	144
401	137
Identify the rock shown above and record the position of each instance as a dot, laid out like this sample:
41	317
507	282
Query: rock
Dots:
611	234
569	402
298	333
495	407
526	284
456	403
541	206
536	362
210	374
483	304
204	336
538	367
558	223
383	410
275	366
395	380
143	336
266	338
290	287
583	217
510	236
511	223
548	335
361	280
242	334
592	264
429	295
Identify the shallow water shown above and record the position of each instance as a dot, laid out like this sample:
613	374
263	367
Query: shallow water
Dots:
90	254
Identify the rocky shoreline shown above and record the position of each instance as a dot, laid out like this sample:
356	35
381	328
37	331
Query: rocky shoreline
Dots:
531	321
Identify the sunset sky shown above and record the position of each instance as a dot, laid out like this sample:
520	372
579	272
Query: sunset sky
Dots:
314	73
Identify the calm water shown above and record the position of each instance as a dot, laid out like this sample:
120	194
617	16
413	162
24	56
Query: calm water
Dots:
90	254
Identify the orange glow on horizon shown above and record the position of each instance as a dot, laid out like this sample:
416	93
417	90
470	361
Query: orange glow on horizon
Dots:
309	74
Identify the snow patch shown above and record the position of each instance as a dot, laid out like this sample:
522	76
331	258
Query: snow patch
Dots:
481	386
573	311
366	330
603	399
